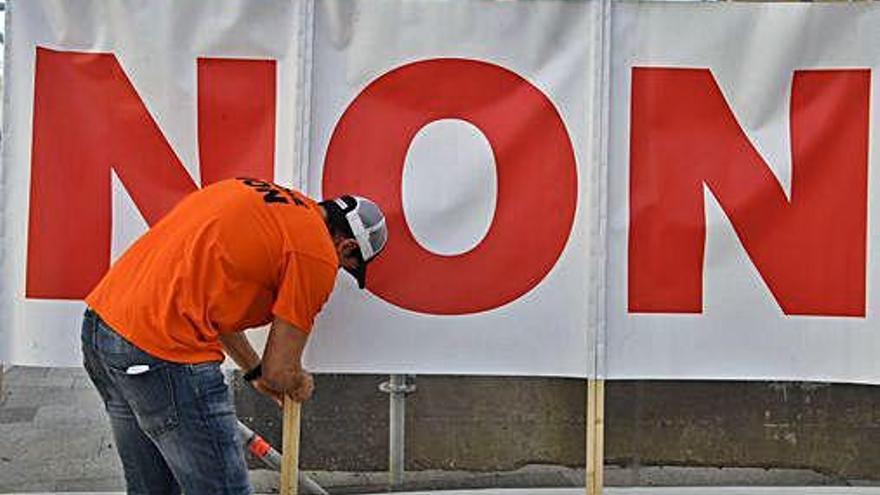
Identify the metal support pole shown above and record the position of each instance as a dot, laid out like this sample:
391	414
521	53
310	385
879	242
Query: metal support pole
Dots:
397	388
397	431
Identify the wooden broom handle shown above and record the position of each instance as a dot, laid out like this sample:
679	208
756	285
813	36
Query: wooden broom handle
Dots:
290	447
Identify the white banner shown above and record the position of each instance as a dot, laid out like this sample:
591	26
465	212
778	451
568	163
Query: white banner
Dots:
119	109
113	111
692	202
469	123
737	118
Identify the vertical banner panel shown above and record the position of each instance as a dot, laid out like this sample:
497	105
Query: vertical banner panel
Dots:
740	226
468	122
113	112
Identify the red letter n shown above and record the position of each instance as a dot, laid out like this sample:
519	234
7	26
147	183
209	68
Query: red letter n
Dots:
809	249
88	119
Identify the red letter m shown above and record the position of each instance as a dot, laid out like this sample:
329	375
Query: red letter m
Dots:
809	249
88	119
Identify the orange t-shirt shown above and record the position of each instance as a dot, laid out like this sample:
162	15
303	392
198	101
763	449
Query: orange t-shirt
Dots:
226	258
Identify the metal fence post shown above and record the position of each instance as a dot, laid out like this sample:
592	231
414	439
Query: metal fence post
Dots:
397	388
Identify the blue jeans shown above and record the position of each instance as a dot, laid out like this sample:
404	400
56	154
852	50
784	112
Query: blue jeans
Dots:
174	424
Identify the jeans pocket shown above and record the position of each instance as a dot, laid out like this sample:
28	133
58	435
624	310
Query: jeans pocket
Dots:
150	394
145	382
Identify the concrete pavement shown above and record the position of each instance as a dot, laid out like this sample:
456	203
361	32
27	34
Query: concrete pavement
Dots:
55	437
633	491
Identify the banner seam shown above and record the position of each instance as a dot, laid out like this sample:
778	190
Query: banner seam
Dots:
305	35
6	324
603	102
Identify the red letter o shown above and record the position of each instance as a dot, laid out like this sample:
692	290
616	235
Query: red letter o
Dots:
536	173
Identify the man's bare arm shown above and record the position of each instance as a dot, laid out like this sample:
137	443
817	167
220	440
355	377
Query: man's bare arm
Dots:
240	350
282	360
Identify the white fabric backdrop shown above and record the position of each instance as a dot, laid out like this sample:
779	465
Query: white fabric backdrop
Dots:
752	51
157	44
449	180
547	330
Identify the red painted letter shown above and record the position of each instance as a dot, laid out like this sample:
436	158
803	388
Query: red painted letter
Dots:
537	181
236	119
810	249
88	119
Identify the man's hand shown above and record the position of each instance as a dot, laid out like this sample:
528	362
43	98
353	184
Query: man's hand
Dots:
304	388
299	386
282	368
260	385
282	371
